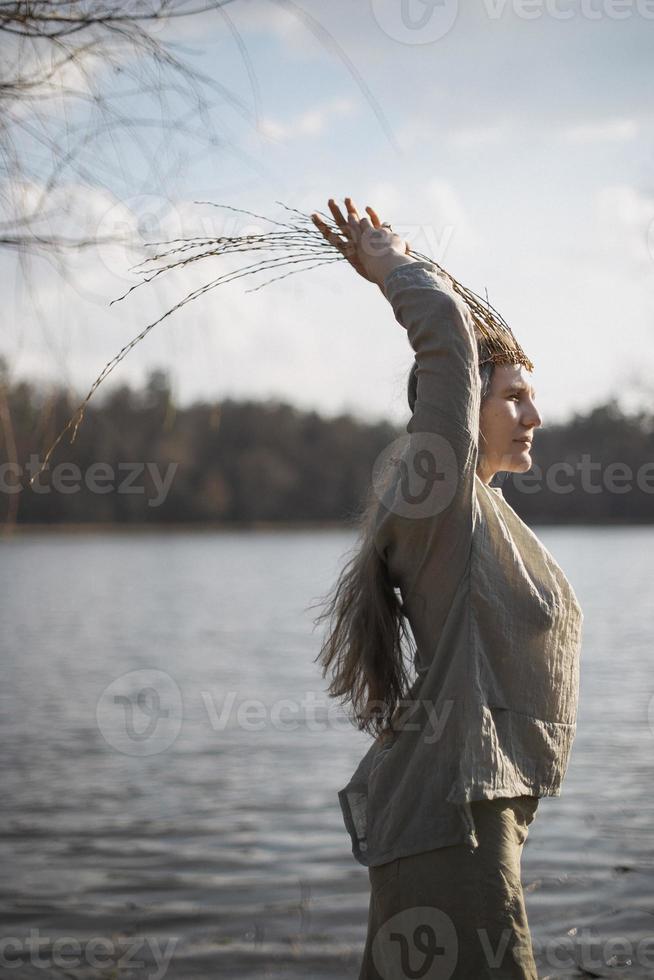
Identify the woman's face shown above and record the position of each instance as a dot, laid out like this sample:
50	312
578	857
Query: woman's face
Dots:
508	415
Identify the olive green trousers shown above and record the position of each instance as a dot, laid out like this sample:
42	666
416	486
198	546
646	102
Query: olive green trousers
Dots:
454	913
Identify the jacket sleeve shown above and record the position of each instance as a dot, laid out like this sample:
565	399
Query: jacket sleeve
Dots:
426	485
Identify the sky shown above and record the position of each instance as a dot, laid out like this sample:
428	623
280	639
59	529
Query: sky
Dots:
513	142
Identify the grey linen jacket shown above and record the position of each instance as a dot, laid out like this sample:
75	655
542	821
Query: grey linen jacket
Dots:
496	624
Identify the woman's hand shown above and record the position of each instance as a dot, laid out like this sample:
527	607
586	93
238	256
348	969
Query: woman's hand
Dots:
372	249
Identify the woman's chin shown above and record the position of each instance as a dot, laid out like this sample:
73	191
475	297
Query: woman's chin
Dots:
518	462
523	461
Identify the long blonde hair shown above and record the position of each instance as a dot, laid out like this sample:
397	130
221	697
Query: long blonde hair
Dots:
365	645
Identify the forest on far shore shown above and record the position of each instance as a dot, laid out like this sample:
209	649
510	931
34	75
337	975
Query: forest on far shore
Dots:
138	458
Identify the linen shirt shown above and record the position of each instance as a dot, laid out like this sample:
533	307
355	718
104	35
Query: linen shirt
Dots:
497	626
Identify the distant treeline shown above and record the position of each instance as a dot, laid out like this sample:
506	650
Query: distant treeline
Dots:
137	458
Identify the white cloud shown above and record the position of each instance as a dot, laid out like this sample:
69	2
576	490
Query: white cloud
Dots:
625	224
467	137
312	122
602	131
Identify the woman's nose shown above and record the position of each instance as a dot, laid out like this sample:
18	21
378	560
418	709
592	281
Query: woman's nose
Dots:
533	417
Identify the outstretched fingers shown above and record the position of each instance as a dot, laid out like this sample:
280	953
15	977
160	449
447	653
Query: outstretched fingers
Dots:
357	224
344	224
327	233
353	242
338	216
374	217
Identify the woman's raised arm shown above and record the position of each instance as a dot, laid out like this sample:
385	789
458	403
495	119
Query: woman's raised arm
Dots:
428	509
426	484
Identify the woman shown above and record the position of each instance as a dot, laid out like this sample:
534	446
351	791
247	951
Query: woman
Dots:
439	807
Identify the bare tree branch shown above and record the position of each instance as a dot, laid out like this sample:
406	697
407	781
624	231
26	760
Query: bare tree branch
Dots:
65	91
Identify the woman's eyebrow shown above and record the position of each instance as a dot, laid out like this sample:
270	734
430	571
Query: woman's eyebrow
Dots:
520	387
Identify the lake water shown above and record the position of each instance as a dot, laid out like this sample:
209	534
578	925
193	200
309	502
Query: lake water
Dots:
200	835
